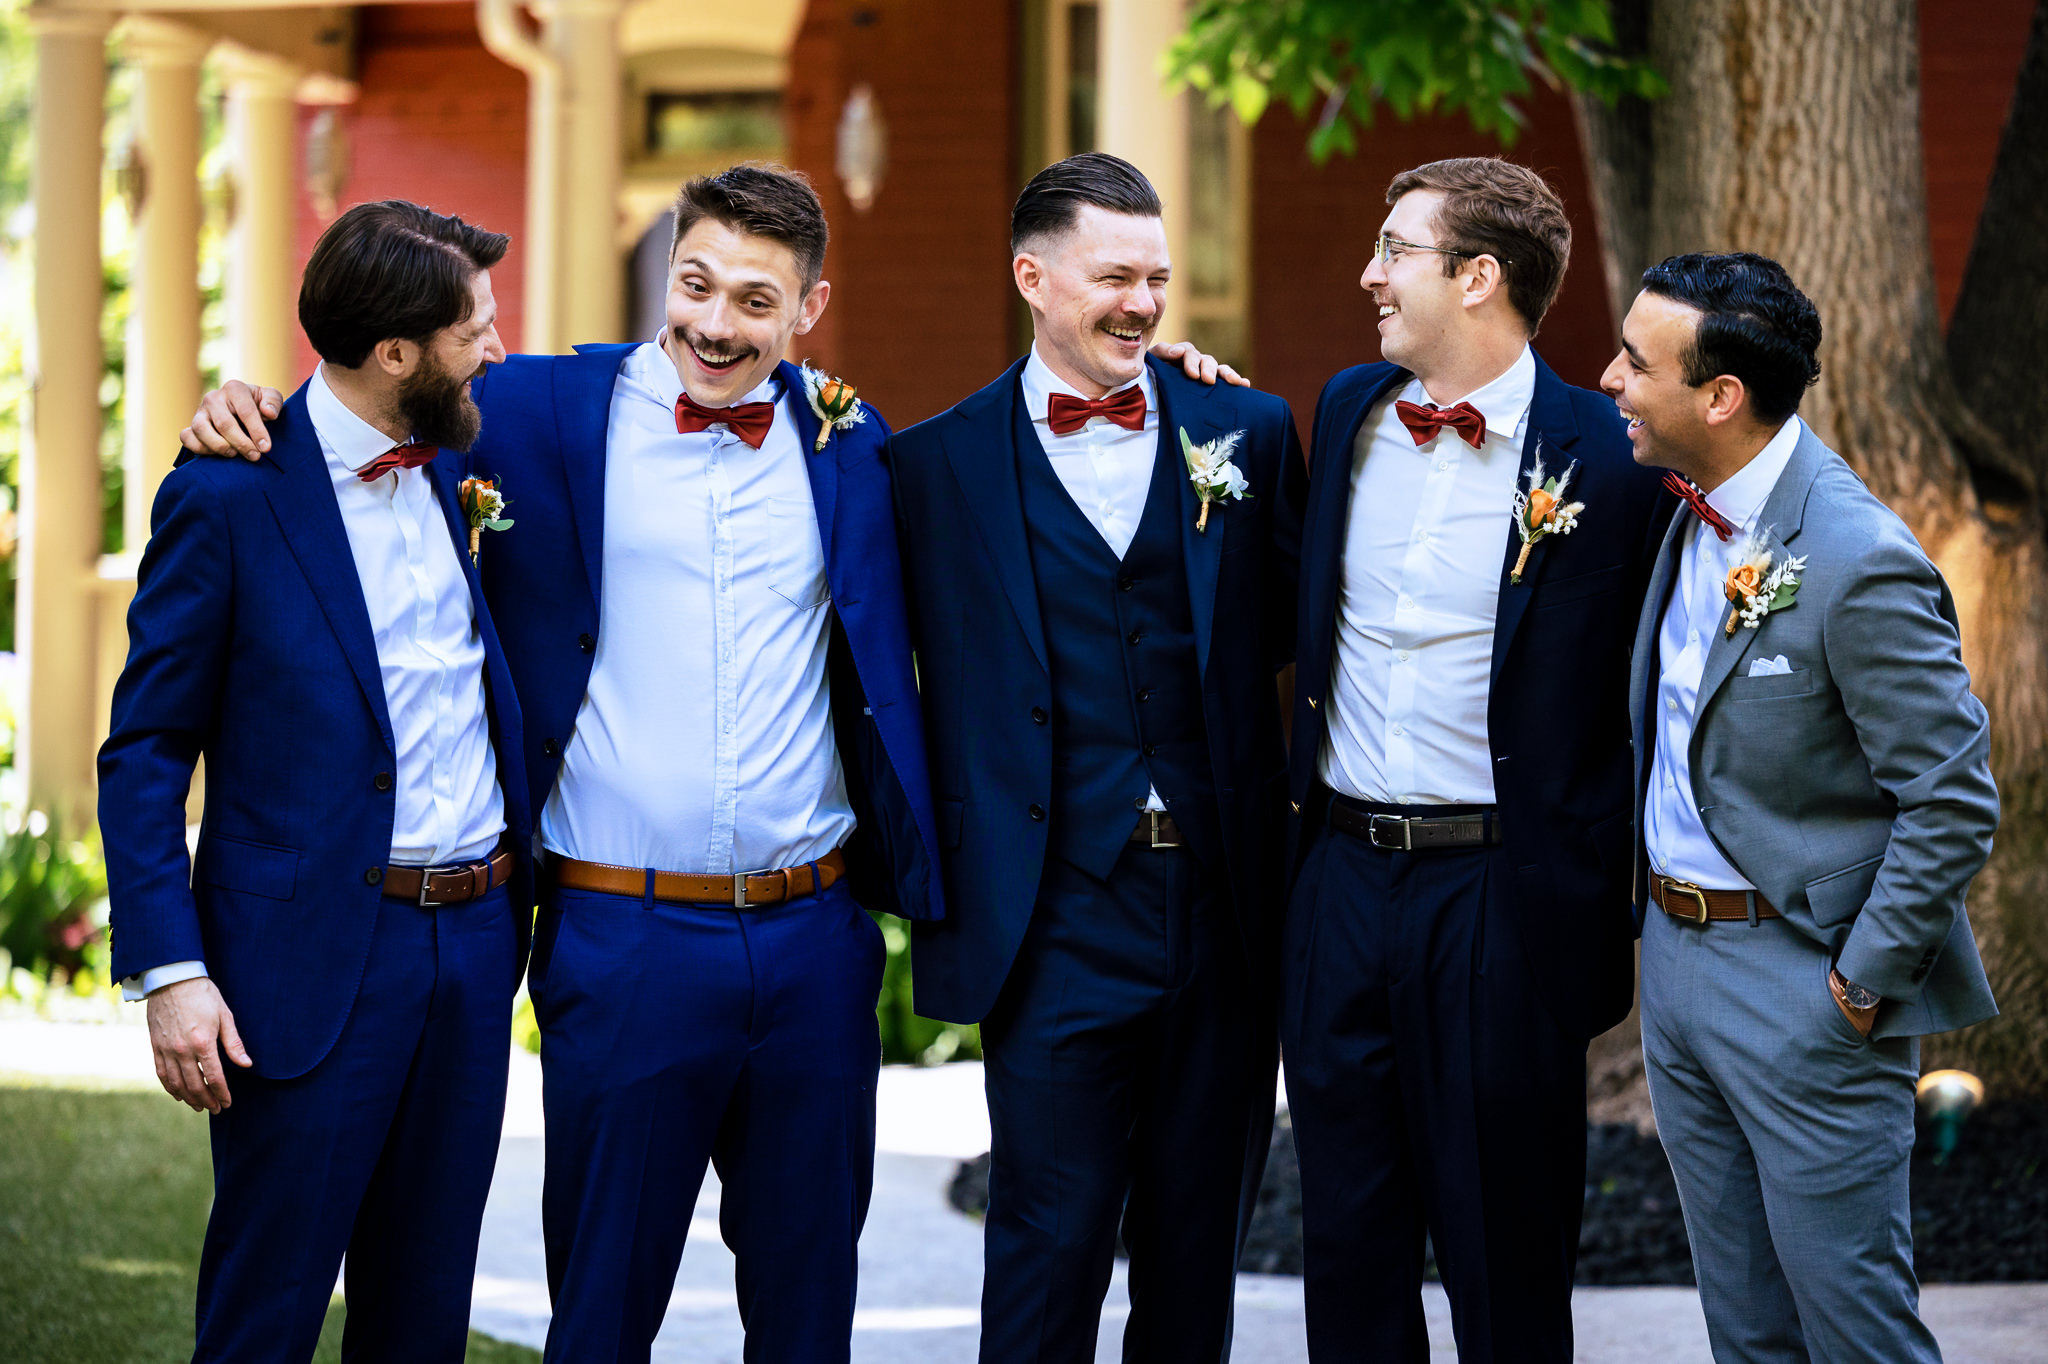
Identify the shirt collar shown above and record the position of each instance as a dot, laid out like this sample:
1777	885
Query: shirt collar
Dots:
1040	383
1504	402
343	435
1741	498
650	367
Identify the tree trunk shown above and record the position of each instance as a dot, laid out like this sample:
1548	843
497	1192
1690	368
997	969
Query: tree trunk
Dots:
1793	129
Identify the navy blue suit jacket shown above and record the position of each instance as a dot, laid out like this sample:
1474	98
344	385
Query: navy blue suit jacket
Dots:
1557	714
250	643
545	422
982	663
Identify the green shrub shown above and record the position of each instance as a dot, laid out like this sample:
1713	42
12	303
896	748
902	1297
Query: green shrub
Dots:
907	1038
53	901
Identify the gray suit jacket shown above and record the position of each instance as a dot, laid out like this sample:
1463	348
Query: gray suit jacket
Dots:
1854	792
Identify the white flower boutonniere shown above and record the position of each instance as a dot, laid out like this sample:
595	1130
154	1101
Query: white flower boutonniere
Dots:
1212	471
483	507
1757	587
1540	509
834	401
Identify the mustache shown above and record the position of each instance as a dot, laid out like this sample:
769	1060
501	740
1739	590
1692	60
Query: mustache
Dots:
724	350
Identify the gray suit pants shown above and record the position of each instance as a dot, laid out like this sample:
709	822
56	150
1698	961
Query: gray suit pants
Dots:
1790	1137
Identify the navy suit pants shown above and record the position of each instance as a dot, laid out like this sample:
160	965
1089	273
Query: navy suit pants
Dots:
1130	1073
1429	1089
675	1036
383	1150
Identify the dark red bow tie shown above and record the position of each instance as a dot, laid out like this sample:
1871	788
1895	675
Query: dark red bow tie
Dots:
410	456
1689	492
1066	414
748	421
1424	420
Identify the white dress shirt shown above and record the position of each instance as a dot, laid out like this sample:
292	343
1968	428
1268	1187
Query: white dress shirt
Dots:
1426	536
429	654
704	744
1105	468
1694	618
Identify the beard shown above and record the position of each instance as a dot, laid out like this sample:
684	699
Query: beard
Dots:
435	406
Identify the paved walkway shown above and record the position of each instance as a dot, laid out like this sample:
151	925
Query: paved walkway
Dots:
921	1261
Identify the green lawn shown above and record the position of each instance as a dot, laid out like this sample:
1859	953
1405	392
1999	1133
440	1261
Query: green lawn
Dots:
103	1197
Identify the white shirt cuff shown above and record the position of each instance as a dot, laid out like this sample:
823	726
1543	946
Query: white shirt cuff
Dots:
140	987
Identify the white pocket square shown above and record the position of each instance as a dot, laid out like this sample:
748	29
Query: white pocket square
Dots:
1769	667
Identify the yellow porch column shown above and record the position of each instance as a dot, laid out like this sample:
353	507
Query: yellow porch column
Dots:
584	35
163	327
60	466
1137	118
262	286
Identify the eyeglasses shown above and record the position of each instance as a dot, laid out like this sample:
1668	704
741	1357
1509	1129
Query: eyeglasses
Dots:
1390	247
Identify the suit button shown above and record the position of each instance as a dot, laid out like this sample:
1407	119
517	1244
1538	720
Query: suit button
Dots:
1151	750
373	876
1037	811
587	643
1125	584
1297	806
1038	715
550	747
382	781
1135	636
1144	694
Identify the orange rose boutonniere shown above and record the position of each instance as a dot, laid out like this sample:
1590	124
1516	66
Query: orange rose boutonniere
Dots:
1757	587
483	507
833	401
1540	510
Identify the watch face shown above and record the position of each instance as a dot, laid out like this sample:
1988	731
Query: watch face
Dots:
1861	998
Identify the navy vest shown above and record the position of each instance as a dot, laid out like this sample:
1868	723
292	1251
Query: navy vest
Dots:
1126	685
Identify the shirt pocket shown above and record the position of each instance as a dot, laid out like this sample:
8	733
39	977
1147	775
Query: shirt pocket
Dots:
796	555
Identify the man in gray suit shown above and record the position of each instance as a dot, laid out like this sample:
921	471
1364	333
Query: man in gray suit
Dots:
1814	795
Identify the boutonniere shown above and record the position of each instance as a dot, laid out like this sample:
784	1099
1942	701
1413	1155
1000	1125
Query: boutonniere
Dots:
834	402
1759	587
483	507
1540	509
1212	471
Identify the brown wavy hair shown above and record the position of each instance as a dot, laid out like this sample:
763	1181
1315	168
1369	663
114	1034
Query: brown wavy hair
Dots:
1496	208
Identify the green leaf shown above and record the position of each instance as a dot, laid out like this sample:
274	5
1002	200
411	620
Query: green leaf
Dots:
498	525
1782	598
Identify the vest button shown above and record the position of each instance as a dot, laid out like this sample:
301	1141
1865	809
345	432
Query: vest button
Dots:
382	781
1136	635
1151	750
1144	693
1036	811
373	876
1126	583
587	643
550	747
1038	715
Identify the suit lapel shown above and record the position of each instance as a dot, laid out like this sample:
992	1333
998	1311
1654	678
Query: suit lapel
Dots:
1195	407
1329	498
1643	662
302	498
1551	427
583	406
822	466
981	446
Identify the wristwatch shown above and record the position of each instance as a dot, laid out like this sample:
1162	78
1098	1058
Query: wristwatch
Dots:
1856	1002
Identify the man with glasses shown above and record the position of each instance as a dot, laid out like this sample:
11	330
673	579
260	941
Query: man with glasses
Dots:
1460	923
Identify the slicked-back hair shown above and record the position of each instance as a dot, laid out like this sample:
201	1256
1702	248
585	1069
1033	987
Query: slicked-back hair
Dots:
759	200
1496	208
390	271
1754	324
1056	195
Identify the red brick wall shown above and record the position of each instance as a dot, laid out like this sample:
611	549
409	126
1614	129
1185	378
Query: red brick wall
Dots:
922	303
1970	54
1313	230
441	122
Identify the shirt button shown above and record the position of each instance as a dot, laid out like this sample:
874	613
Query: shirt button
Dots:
1671	703
1402	655
1407	604
1398	731
1036	811
382	781
1442	465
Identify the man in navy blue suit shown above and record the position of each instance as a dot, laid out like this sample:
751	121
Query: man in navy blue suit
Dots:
353	927
1101	607
1460	923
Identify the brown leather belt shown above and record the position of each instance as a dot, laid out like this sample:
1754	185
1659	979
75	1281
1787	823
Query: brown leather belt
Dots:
748	890
1156	829
1695	904
1416	833
428	887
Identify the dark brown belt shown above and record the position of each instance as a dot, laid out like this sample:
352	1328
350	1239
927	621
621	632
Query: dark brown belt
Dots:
431	886
1416	833
748	890
1156	829
1684	900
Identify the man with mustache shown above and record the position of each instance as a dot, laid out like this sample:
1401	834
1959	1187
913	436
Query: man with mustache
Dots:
1100	609
1460	923
352	929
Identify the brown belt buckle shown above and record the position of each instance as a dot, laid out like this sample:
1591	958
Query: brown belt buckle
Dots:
1698	894
739	885
1153	819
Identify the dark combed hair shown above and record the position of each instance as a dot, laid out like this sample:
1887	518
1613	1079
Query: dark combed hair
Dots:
1754	325
1056	195
1496	208
390	271
760	200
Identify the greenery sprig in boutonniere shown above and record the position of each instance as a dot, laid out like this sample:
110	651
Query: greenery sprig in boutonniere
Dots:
1214	474
834	401
1757	587
1540	510
482	507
